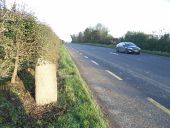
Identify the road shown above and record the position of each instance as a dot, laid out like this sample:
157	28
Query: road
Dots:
134	90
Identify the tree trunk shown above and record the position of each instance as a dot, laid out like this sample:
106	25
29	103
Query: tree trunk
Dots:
14	74
46	83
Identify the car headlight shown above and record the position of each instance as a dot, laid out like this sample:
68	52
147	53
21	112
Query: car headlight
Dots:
130	48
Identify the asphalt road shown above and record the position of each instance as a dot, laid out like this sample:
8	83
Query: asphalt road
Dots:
134	90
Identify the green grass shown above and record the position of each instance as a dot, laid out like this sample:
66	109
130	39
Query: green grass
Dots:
12	114
75	108
82	109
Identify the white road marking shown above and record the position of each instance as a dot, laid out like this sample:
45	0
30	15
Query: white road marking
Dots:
147	72
114	53
94	62
111	73
85	57
155	83
166	110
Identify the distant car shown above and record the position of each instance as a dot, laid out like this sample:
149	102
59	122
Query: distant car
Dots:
127	47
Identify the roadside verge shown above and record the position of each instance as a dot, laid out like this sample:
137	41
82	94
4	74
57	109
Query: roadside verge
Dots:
82	109
75	107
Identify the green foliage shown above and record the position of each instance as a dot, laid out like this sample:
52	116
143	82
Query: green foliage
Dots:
11	114
22	37
49	44
98	34
17	39
150	42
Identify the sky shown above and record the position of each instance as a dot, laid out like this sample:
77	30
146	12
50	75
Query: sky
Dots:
68	17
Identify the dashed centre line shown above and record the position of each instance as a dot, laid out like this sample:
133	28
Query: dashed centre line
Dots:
85	57
94	62
111	73
158	105
114	53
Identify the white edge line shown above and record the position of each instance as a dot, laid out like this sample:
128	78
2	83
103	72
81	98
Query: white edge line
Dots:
111	73
85	57
94	62
166	110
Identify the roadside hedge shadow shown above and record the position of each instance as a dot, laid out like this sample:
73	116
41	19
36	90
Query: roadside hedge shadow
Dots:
4	80
12	112
28	81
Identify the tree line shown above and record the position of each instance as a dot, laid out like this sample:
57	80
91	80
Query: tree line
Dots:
100	35
24	42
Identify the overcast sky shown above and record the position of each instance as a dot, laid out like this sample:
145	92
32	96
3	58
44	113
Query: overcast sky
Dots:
68	17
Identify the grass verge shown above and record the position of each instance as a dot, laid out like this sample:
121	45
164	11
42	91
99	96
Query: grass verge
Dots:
157	53
75	107
82	109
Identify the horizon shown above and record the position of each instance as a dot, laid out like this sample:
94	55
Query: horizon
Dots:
119	16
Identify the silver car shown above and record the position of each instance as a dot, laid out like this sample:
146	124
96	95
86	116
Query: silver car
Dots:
127	47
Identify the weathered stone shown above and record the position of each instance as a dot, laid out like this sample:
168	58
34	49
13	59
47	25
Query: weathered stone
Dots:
46	83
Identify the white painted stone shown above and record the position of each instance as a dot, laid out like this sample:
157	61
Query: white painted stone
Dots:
46	83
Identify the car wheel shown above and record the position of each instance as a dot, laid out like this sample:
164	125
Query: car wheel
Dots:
117	50
126	51
138	53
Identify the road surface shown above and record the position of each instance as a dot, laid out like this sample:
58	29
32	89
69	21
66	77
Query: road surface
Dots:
134	90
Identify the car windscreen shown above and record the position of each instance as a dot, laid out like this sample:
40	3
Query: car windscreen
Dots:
130	44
